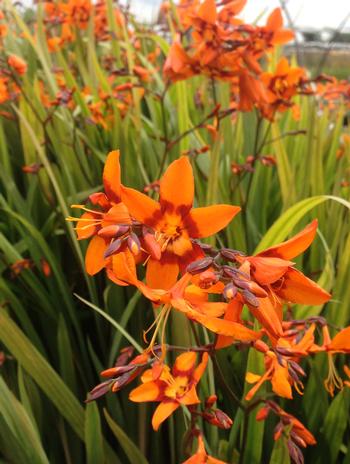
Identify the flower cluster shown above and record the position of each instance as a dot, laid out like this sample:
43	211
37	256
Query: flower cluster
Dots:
213	41
210	286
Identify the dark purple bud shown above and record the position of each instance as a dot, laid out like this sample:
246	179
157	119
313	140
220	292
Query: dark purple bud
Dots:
295	366
113	248
230	271
250	299
297	440
199	266
244	284
99	391
230	255
294	452
283	351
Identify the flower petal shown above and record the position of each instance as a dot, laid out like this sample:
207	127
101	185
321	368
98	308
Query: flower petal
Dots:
207	11
341	341
163	411
206	221
148	391
280	383
297	288
275	20
268	270
222	327
233	313
118	214
162	273
124	267
94	258
268	317
140	206
177	187
190	397
199	370
184	363
111	176
85	226
295	245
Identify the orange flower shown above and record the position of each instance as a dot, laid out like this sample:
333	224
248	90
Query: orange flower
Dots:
281	365
18	64
172	388
187	298
107	224
275	273
281	86
201	456
339	344
175	222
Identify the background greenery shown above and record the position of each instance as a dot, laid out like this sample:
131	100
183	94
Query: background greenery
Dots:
54	344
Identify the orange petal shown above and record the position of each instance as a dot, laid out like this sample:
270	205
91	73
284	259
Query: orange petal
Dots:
206	221
118	214
233	313
279	382
212	309
236	6
163	411
94	258
185	363
199	371
190	397
295	245
148	391
111	176
86	228
297	288
140	206
252	378
268	317
268	270
275	20
222	327
162	273
177	186
283	36
177	58
258	384
341	342
124	267
207	11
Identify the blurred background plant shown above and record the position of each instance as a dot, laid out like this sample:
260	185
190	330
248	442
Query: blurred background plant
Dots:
79	79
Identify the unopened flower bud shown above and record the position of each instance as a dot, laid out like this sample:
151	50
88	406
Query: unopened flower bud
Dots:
99	391
134	244
113	231
113	248
250	299
199	266
210	401
261	346
262	413
218	418
230	291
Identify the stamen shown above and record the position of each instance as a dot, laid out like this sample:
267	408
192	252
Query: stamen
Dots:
87	226
88	210
333	380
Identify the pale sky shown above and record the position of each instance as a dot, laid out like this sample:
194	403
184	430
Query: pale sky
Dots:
318	14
